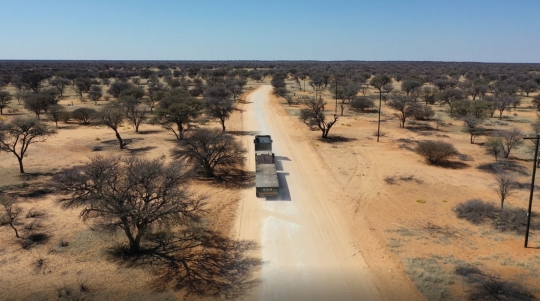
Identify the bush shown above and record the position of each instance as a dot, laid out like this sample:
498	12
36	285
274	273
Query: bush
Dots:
362	103
491	287
35	213
436	151
475	211
423	113
84	115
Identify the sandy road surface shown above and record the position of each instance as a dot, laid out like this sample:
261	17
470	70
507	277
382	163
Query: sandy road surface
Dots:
306	251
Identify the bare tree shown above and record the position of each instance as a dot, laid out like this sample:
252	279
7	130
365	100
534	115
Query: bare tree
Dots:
504	102
133	194
11	212
504	185
315	118
510	139
211	148
17	135
112	116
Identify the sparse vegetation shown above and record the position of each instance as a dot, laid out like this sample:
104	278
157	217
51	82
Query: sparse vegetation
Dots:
134	195
491	287
210	149
436	152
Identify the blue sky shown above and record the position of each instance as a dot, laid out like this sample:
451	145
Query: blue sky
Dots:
484	31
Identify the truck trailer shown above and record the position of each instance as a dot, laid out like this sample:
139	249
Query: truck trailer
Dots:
266	180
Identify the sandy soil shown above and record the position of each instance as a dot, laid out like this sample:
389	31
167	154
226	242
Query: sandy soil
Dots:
83	260
353	220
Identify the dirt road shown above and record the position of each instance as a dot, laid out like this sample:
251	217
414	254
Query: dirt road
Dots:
305	248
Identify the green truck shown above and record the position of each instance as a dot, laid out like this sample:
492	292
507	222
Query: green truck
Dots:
266	179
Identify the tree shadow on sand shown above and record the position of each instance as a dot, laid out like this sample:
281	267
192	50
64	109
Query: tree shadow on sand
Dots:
233	178
199	262
336	139
243	133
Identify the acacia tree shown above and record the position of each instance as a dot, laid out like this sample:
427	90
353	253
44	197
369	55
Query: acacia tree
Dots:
494	146
56	112
95	94
346	93
82	85
503	102
378	82
314	117
411	85
5	100
134	110
449	96
117	87
133	194
178	110
33	80
112	116
41	101
404	106
218	103
211	148
472	126
60	83
17	135
11	212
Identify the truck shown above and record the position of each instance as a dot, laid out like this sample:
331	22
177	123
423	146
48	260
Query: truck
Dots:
266	179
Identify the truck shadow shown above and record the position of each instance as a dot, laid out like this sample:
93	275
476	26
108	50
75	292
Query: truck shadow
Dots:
279	164
284	194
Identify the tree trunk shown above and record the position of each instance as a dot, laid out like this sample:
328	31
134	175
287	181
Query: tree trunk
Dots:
180	128
379	120
119	139
342	108
208	171
137	127
325	133
223	124
21	168
14	229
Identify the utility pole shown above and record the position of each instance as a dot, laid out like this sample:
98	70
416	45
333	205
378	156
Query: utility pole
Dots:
336	97
537	138
379	120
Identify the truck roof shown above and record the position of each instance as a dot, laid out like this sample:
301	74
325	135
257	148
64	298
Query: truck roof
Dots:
266	176
264	138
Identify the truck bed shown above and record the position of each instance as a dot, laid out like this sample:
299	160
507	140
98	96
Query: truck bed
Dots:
266	176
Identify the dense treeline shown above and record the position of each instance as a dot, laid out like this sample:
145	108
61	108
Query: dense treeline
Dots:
426	71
